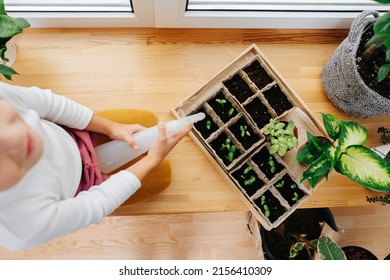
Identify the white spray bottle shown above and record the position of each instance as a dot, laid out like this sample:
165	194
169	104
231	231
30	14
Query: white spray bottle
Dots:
114	154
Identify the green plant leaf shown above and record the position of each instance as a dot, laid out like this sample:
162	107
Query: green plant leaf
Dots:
319	168
383	72
273	149
2	8
310	151
332	125
382	25
22	23
351	133
383	1
295	249
365	167
314	144
282	150
7	72
329	250
8	27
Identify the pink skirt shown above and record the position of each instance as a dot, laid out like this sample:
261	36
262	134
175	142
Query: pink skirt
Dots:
91	174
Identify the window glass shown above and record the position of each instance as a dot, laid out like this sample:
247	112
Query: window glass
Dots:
285	5
69	5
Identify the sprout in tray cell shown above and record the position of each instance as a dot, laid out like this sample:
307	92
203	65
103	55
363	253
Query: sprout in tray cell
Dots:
248	179
222	107
206	126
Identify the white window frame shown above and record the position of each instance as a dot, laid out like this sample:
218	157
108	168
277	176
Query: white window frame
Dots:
172	14
143	17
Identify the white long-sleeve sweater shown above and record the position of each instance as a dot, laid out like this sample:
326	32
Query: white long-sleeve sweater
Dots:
42	206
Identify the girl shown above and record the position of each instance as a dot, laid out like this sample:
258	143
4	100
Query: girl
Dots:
45	189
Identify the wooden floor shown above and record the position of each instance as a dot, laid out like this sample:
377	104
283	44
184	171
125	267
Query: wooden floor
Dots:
198	216
197	236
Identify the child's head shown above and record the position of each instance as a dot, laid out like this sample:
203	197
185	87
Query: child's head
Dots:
20	146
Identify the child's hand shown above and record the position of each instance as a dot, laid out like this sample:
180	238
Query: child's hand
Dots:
164	145
125	132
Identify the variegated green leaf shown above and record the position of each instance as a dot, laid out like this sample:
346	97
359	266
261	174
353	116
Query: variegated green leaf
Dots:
329	250
295	249
319	168
332	125
365	167
351	133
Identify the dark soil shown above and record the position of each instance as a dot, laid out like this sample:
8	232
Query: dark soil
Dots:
248	137
358	253
225	111
206	126
221	152
259	112
368	67
277	242
289	190
248	181
267	163
275	208
258	75
277	99
239	88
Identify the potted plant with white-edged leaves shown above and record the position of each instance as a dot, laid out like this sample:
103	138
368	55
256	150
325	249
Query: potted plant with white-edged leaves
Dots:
356	77
325	248
9	27
345	153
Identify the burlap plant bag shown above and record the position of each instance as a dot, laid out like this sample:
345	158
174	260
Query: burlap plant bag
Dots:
341	79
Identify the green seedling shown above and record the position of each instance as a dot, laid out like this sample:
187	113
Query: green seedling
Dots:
250	181
272	165
244	131
208	125
221	101
280	184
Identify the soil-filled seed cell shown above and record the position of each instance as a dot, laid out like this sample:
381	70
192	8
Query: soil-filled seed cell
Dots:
259	112
267	163
225	149
222	107
244	133
277	99
289	190
239	88
270	206
206	126
258	75
248	179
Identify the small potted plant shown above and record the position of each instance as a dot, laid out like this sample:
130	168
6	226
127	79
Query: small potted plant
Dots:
356	77
350	157
282	136
296	232
9	27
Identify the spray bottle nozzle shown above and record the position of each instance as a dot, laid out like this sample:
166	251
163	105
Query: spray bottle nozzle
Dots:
195	118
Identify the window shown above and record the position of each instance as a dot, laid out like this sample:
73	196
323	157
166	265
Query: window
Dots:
69	6
192	13
84	13
285	5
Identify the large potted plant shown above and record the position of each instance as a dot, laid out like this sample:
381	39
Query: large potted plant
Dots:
9	27
356	77
346	154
